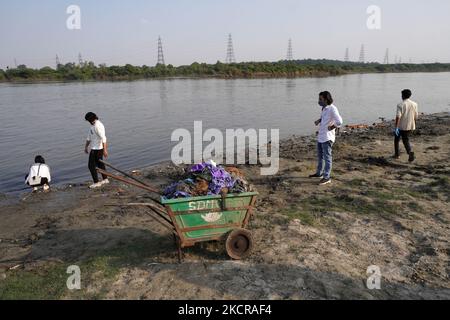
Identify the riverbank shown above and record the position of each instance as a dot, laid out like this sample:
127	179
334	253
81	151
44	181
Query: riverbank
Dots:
88	71
311	242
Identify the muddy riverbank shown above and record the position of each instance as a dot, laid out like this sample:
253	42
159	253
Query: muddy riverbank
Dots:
311	242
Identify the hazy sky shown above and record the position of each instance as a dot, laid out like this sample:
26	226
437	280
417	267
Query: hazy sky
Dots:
126	31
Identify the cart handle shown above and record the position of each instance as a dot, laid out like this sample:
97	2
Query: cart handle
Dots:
133	183
125	174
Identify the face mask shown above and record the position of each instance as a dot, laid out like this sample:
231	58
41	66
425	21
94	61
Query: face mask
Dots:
322	104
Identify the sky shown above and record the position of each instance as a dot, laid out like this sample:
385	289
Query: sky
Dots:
117	32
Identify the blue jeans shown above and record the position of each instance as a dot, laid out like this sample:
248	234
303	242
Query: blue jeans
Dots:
325	155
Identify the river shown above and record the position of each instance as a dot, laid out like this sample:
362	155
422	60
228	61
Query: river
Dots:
139	116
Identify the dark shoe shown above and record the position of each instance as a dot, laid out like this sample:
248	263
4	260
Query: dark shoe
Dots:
412	157
324	182
316	176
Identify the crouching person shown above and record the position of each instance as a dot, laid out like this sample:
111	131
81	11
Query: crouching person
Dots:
39	175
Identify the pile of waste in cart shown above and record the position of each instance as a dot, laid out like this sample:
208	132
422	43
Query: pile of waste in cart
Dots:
207	179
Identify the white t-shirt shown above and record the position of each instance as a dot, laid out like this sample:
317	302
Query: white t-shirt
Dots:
97	136
330	117
37	169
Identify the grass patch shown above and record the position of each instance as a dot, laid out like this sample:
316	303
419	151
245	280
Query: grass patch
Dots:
309	209
357	183
49	283
441	182
414	206
307	218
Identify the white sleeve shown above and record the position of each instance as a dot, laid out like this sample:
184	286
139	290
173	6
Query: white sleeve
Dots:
27	179
49	177
100	129
337	117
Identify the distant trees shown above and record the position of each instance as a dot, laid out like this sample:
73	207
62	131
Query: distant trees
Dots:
299	68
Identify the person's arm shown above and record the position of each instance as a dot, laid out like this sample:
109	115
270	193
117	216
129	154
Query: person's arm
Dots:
336	118
101	133
417	114
105	149
317	122
27	178
87	146
398	119
49	174
399	115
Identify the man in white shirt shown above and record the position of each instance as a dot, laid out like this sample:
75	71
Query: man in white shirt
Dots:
329	122
405	124
99	148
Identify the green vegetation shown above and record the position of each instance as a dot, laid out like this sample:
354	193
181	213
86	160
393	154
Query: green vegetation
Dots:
306	217
300	68
49	282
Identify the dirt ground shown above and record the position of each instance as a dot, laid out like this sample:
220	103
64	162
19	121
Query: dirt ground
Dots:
311	242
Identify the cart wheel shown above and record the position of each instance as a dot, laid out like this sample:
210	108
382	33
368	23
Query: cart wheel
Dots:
239	244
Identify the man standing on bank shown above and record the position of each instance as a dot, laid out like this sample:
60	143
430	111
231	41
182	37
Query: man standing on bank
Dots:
405	124
329	122
96	140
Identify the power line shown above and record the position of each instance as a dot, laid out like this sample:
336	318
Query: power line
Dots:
230	51
161	60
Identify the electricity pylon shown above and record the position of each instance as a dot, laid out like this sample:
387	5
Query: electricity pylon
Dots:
230	50
160	53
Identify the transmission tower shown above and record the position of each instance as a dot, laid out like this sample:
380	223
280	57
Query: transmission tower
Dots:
80	60
230	50
347	55
58	62
362	54
290	55
160	53
386	57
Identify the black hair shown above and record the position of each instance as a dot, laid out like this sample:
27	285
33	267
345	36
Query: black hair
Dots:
327	96
406	94
91	117
39	159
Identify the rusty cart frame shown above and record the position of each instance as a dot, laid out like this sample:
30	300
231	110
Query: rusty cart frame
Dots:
198	219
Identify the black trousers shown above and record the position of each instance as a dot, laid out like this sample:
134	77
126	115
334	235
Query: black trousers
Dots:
94	163
404	136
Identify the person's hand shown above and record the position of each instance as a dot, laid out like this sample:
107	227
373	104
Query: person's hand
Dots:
86	150
317	122
105	153
331	128
397	132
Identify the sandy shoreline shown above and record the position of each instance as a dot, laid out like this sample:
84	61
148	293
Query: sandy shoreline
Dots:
311	242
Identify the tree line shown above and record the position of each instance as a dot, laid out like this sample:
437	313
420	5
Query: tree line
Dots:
299	68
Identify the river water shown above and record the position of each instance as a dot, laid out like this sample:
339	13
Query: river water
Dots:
139	116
